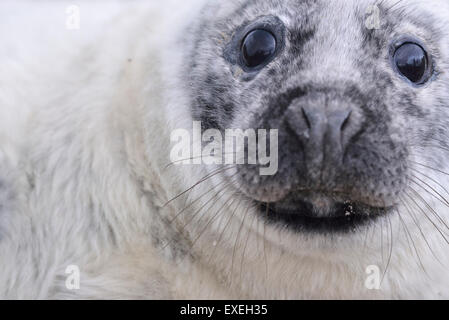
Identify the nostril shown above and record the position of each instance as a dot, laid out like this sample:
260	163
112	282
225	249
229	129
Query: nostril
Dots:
346	120
344	129
306	118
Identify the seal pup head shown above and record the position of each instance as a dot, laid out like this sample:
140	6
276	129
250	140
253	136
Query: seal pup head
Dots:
361	107
353	103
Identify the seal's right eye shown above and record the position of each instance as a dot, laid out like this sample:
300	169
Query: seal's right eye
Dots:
412	62
258	48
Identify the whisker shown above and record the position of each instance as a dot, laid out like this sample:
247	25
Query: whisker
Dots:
436	195
213	218
442	145
391	241
394	5
365	241
382	240
415	221
209	201
195	158
435	214
223	231
200	210
428	218
238	238
429	167
431	179
208	176
265	240
406	237
201	196
246	245
413	242
257	230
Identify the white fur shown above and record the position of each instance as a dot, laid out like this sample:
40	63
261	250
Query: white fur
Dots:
85	121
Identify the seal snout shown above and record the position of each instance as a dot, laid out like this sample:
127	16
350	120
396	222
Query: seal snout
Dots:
335	153
322	140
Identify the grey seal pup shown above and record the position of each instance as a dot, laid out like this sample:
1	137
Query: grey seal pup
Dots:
93	206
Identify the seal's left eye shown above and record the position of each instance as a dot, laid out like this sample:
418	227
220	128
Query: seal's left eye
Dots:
412	62
258	47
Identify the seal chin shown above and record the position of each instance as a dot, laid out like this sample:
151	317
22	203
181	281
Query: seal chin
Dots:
319	212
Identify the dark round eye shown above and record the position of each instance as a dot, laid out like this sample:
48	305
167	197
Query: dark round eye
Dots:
258	47
412	62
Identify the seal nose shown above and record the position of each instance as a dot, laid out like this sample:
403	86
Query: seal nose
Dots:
325	131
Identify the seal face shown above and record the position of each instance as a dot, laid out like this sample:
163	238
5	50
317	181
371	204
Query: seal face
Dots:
344	99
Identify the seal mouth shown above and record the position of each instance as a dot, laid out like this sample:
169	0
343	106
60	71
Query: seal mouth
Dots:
324	217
